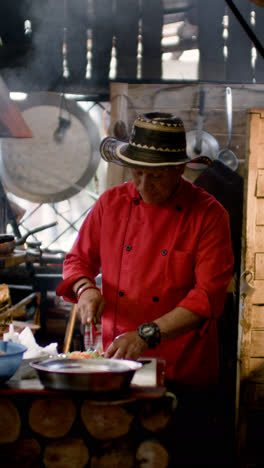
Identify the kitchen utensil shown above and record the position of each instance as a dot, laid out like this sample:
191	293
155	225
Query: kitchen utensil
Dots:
44	171
226	156
95	375
8	242
11	358
199	142
120	130
246	289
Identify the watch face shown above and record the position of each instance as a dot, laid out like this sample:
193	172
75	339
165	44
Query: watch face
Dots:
148	330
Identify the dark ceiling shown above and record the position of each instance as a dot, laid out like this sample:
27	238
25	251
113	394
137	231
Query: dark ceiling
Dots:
40	39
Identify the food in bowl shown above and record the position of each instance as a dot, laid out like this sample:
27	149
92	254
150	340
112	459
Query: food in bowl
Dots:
88	354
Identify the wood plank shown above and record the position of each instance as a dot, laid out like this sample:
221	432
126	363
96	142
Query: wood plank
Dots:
184	101
251	191
258	295
257	343
259	236
259	266
248	248
259	211
260	183
257	317
255	363
185	96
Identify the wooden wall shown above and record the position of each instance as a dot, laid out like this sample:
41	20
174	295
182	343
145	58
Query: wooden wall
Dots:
251	337
252	346
183	100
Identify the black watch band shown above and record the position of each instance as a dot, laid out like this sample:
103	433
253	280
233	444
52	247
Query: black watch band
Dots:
150	333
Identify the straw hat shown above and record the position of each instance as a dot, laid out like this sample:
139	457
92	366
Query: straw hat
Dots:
156	140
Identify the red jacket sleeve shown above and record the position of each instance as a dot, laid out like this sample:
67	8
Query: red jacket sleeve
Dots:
84	257
213	266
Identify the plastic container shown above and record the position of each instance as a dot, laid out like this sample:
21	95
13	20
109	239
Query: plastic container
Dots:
93	337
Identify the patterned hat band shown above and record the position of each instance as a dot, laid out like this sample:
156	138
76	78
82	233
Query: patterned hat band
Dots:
156	140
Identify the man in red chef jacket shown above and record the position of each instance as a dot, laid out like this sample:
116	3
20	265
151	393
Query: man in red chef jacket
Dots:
163	246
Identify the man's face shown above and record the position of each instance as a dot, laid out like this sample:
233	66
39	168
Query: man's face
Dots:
156	185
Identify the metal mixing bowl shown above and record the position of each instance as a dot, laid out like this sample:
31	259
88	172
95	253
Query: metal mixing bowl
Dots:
94	375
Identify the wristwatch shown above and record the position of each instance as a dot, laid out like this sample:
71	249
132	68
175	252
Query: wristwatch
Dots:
150	332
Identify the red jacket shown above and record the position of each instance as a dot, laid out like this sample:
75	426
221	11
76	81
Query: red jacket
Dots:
152	259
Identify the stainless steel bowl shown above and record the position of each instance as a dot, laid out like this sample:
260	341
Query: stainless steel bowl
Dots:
95	375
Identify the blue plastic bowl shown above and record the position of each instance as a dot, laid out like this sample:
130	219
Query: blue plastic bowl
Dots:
11	359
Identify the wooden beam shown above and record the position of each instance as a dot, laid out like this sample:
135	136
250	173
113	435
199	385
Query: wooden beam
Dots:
152	24
116	173
210	17
126	32
238	41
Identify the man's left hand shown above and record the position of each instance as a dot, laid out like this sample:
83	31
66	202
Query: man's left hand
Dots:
126	346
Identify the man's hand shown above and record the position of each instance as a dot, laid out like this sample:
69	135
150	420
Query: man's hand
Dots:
126	346
90	306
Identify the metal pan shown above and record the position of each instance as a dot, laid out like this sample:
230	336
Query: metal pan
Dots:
43	170
94	375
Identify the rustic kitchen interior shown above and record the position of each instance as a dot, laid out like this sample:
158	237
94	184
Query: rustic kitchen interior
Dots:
72	73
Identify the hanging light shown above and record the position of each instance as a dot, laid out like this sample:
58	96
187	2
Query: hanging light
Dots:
63	123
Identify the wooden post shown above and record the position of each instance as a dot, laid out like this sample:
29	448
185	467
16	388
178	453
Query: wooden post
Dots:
116	173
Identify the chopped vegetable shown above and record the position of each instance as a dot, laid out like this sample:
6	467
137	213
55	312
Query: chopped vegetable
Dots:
89	354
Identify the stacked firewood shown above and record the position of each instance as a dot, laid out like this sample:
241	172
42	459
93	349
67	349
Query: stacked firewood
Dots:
65	432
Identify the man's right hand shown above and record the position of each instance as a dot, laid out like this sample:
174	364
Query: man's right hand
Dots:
90	306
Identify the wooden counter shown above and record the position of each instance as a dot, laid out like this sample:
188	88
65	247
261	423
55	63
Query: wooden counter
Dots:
50	428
